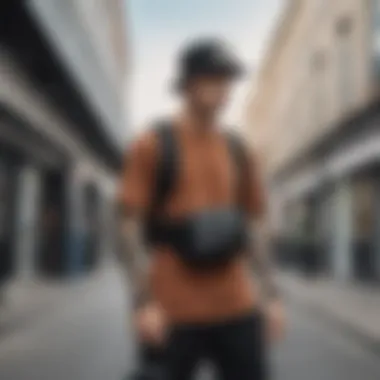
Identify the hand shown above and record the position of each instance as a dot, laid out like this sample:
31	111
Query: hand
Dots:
151	324
276	320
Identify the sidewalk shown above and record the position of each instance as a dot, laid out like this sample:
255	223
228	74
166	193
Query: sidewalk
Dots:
27	301
69	330
353	307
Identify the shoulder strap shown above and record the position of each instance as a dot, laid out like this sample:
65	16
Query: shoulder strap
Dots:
167	166
239	156
167	163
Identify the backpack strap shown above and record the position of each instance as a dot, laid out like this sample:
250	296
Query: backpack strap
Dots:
239	155
167	164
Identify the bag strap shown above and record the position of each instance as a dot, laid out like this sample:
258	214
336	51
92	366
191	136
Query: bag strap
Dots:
240	158
167	164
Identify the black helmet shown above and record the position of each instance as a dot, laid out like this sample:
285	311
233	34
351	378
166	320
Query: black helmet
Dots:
207	57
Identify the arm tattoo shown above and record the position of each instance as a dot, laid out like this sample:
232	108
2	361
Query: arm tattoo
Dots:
262	263
134	257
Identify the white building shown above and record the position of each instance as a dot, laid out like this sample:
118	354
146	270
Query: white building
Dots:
314	118
63	68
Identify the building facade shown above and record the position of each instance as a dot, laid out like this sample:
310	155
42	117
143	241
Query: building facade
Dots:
62	133
313	118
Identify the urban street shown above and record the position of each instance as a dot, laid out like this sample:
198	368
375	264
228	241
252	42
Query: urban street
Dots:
87	87
87	336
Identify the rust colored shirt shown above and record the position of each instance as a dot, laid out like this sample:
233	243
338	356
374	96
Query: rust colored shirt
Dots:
206	177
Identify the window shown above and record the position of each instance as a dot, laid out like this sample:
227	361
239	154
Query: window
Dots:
3	201
346	69
318	88
364	208
375	14
5	204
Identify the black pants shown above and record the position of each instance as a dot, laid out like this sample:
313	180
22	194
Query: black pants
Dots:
236	348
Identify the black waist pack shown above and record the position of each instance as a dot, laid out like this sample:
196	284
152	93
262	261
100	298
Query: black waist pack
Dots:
205	239
208	237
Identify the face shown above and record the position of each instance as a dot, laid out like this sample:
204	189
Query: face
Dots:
209	94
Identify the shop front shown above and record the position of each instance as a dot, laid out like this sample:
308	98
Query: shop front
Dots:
366	218
9	166
333	223
26	158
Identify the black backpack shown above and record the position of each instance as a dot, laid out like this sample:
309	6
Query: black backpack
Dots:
167	168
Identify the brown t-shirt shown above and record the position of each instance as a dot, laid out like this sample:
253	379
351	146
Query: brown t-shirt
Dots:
206	177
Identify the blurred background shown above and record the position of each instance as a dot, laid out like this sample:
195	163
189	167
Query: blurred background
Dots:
78	80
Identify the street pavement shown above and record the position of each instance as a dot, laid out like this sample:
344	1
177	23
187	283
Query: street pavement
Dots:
87	336
353	306
317	350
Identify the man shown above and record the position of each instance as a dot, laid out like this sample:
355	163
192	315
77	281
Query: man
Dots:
199	274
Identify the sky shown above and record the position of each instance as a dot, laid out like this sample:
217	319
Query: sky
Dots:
159	28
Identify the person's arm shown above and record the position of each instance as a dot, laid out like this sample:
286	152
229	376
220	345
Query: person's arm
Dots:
261	252
134	256
134	199
262	263
255	203
148	316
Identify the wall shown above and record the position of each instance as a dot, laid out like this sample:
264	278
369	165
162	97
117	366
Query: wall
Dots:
300	99
72	30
